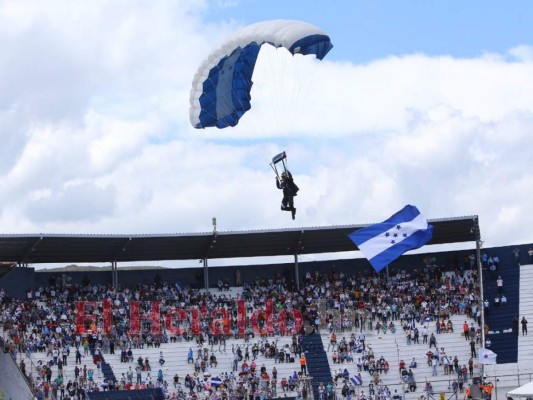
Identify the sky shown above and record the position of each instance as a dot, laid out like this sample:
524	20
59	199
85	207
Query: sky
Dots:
423	103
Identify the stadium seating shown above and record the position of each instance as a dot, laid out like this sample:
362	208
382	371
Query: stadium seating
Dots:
499	318
508	373
518	287
143	394
317	361
393	346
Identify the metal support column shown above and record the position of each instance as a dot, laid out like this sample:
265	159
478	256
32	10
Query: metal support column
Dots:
206	275
114	274
298	247
480	281
207	253
296	272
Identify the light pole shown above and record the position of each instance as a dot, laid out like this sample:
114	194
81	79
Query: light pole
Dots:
479	243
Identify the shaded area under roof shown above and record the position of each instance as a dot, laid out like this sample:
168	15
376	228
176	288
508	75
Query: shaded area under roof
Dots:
55	248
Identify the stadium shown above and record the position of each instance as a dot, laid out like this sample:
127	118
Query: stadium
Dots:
378	105
412	331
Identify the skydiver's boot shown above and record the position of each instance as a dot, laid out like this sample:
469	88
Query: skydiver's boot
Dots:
294	213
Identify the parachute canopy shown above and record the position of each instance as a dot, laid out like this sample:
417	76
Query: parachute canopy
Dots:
221	88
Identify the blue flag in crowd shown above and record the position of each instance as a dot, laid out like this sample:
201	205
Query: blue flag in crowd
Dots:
216	381
356	380
384	242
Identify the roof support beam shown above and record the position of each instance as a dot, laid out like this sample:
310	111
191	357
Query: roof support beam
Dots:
299	247
23	259
114	274
121	249
207	252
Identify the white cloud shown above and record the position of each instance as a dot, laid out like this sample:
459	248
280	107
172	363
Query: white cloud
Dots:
96	137
522	53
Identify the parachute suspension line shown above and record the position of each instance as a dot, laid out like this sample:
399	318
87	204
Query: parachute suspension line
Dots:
290	80
286	109
304	87
296	74
275	80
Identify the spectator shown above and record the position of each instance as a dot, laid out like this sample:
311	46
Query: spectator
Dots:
499	284
303	364
473	348
432	341
516	255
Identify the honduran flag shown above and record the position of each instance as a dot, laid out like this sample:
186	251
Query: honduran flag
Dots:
384	242
216	381
357	380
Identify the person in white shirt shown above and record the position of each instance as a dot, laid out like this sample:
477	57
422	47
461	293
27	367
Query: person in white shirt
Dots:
499	284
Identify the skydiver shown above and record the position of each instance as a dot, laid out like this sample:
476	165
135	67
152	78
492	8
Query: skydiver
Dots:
286	183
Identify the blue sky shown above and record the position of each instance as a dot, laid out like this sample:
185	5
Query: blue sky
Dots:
363	31
420	102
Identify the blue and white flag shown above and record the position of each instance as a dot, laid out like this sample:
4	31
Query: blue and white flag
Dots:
357	380
384	242
216	381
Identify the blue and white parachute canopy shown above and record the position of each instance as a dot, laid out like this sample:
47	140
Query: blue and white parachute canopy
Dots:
221	88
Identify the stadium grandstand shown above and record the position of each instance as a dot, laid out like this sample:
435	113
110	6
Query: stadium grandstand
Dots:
303	330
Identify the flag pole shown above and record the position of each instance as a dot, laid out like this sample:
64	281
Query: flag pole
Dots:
480	280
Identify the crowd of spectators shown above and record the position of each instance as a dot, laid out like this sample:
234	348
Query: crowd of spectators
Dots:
343	304
409	301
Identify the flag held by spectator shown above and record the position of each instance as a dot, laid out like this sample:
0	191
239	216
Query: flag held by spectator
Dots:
487	356
356	380
384	242
216	381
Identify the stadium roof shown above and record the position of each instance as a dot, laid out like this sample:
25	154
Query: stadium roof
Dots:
56	248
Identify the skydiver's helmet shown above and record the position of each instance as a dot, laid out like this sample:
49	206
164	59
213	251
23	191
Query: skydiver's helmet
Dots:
283	175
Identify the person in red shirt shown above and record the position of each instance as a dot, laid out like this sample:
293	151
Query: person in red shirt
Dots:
284	384
46	389
402	365
466	331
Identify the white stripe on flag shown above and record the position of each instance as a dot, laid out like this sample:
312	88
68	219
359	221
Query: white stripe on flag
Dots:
378	244
487	356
